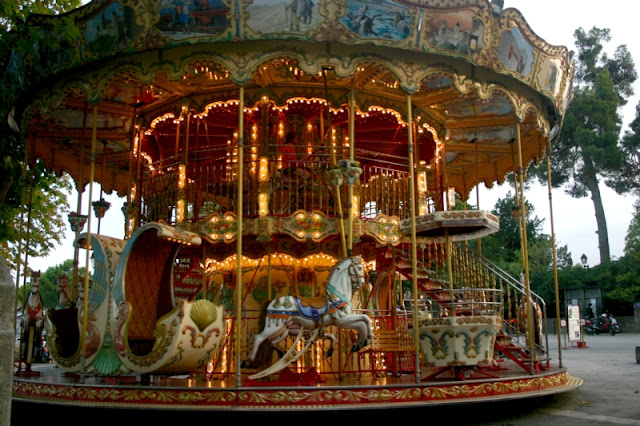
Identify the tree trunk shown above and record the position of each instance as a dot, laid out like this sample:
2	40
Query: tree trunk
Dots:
4	188
591	182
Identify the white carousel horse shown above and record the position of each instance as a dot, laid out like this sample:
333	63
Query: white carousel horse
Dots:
286	312
64	292
32	319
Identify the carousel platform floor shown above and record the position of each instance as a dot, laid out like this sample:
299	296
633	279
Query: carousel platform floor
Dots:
508	381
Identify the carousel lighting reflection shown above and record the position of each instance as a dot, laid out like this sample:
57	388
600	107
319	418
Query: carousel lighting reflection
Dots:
229	263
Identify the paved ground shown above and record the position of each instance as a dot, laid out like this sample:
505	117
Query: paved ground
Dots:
610	396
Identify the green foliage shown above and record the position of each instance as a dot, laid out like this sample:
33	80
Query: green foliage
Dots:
592	60
49	283
24	54
629	177
505	244
49	210
623	282
588	149
503	249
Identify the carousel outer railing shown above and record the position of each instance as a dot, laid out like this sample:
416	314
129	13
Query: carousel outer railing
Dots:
514	298
294	184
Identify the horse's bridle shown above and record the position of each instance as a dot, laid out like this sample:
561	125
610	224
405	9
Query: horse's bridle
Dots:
64	289
353	273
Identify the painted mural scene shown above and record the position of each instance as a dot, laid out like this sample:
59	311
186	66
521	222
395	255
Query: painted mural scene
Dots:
300	213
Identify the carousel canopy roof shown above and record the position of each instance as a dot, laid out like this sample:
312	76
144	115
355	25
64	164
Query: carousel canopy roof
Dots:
470	72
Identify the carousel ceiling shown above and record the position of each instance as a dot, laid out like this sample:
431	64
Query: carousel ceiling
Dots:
469	87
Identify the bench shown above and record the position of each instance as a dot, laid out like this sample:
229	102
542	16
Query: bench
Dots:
393	342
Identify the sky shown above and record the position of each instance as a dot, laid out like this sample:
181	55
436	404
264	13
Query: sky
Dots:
574	219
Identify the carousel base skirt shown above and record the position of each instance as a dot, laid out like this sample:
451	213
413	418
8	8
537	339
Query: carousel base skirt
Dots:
188	393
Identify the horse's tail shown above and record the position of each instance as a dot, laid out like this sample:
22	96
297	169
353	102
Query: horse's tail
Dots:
262	318
264	350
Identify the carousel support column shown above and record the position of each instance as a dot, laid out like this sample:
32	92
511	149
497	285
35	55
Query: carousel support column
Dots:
447	242
131	148
477	191
337	180
239	236
264	177
137	208
343	237
263	199
20	228
28	237
517	193
78	229
204	272
414	246
446	177
181	204
447	252
99	208
85	299
555	260
352	142
269	272
129	206
525	253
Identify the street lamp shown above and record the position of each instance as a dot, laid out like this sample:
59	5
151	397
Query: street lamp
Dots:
584	259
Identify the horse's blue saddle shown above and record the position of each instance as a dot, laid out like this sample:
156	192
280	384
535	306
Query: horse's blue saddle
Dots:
312	312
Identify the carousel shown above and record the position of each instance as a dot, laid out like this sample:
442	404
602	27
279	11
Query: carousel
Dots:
296	226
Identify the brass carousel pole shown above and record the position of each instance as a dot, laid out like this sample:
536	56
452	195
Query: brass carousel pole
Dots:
414	246
204	272
334	162
478	190
79	187
26	268
517	192
104	164
525	254
28	237
239	235
19	254
269	272
447	243
129	204
85	298
350	206
555	260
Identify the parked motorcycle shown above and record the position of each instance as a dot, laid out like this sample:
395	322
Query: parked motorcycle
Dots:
605	323
614	324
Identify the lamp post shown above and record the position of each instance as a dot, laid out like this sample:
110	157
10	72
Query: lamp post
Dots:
584	260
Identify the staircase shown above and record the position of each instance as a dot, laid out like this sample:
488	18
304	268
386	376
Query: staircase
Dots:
471	284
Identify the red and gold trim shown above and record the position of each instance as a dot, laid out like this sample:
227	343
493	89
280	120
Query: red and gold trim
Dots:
293	398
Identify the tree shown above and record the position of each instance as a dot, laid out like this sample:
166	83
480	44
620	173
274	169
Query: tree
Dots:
49	208
503	249
23	55
504	245
628	179
588	148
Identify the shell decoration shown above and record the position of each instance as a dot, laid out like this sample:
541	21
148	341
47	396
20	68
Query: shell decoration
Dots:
203	313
